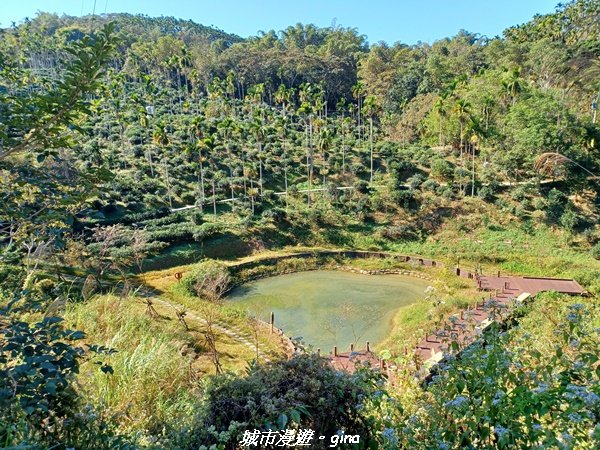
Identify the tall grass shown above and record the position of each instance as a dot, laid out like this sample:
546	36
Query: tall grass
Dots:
151	385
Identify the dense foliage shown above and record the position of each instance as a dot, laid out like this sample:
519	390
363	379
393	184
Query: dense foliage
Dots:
129	143
510	394
301	393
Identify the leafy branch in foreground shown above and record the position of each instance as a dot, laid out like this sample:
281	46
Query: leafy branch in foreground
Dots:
37	121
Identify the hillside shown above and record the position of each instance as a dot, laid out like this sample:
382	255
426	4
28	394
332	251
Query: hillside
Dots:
150	165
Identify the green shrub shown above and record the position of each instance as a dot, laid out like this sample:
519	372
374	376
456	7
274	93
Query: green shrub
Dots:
596	251
416	181
208	279
206	230
197	218
486	193
539	204
302	392
520	212
519	193
430	185
278	215
555	206
447	193
510	393
442	170
404	198
401	171
569	220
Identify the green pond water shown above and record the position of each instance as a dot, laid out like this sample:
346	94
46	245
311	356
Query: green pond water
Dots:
328	308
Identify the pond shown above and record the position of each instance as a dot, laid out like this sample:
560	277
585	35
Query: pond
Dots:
328	308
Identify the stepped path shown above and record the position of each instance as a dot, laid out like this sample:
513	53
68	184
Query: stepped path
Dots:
234	332
231	331
465	327
503	291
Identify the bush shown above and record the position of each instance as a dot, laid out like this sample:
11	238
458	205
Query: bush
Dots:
519	193
430	185
520	212
400	233
208	279
206	230
404	198
486	193
447	193
555	206
596	251
175	232
39	402
416	181
197	218
442	170
510	394
402	170
539	204
569	220
590	235
302	392
277	215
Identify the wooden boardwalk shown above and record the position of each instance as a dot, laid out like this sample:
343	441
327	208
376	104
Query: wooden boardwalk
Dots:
504	291
501	293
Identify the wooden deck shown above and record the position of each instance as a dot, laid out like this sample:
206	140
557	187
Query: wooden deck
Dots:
503	292
499	294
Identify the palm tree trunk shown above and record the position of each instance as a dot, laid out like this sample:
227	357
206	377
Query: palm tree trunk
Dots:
460	183
371	145
214	198
168	183
310	155
260	169
286	186
473	171
201	185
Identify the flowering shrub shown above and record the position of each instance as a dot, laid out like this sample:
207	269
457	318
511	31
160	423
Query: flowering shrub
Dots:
505	393
302	392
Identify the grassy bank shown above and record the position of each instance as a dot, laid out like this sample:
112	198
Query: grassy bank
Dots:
158	364
409	321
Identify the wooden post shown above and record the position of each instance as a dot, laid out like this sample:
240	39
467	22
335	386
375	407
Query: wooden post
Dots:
368	346
272	321
335	350
351	347
498	274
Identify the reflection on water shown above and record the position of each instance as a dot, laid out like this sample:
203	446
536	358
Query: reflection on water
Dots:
328	308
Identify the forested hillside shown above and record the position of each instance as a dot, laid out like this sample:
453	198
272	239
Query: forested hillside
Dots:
130	144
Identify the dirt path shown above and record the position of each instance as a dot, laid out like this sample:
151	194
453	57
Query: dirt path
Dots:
234	332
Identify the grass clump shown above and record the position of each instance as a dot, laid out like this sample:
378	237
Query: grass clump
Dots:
153	381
